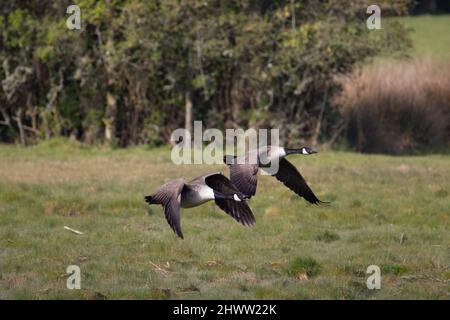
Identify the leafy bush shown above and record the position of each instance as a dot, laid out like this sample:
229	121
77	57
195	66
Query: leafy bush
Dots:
131	73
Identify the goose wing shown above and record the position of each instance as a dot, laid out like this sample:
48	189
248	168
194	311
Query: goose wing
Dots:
239	210
169	196
243	176
292	179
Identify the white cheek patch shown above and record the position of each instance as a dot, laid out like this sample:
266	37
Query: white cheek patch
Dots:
304	151
281	152
236	198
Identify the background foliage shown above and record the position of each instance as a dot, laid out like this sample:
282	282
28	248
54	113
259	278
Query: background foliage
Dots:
131	73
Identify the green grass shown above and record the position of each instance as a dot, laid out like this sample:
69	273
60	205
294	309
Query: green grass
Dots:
303	266
376	200
327	236
430	35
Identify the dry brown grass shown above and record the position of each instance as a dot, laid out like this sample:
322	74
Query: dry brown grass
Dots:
37	171
396	107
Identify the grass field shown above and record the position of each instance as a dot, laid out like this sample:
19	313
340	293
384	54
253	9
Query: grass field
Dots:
430	35
387	211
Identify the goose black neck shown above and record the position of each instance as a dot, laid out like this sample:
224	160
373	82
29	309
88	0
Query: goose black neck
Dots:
292	151
229	196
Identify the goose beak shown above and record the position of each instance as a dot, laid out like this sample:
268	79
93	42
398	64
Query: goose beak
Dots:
313	151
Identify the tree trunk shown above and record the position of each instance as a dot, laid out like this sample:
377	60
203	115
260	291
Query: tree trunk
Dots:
319	121
20	126
6	119
293	15
188	113
109	121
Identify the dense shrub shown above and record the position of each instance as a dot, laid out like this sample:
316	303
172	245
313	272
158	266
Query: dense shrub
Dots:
398	107
136	69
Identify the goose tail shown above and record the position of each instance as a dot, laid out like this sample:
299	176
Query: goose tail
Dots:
150	200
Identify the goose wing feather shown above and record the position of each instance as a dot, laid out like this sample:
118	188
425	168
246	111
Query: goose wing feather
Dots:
238	210
169	196
291	178
243	175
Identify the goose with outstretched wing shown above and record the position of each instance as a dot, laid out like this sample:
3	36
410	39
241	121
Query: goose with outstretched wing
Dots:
178	193
244	170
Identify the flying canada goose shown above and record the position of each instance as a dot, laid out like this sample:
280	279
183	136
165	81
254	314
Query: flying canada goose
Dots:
244	169
178	193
